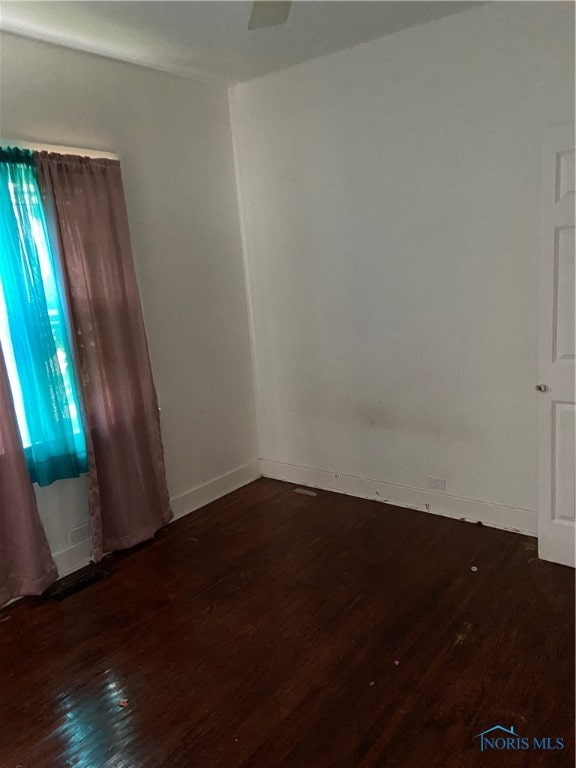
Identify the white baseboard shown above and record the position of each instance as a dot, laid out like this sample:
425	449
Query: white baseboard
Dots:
214	489
76	557
436	502
73	558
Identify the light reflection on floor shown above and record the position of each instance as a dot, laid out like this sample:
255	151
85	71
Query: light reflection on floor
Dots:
96	728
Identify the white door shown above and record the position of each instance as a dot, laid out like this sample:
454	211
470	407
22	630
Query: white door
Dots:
556	382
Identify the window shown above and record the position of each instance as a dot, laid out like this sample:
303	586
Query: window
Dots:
34	329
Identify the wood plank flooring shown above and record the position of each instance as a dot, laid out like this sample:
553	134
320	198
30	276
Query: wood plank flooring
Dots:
277	630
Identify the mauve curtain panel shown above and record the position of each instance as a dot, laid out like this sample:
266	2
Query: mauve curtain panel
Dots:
26	565
127	482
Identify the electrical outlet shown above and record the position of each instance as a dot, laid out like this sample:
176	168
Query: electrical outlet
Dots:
438	483
78	535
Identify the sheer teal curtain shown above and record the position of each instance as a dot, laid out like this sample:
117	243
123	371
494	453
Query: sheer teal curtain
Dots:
34	329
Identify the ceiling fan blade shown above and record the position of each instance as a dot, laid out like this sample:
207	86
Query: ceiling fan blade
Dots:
268	13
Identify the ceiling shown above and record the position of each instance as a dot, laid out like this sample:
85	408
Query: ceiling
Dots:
210	40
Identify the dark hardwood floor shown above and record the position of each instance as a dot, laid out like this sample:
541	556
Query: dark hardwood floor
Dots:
264	630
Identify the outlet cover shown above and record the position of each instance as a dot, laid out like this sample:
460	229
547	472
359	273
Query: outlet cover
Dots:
438	483
78	535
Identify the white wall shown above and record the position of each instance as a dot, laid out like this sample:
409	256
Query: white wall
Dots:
390	198
173	137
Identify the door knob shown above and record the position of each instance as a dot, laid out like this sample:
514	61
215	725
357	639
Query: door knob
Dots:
541	387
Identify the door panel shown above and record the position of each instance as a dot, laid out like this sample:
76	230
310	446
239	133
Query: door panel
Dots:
563	461
564	276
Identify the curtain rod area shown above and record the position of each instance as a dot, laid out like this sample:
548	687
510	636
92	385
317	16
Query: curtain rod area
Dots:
63	150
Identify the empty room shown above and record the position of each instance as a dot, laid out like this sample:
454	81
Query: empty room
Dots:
287	384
